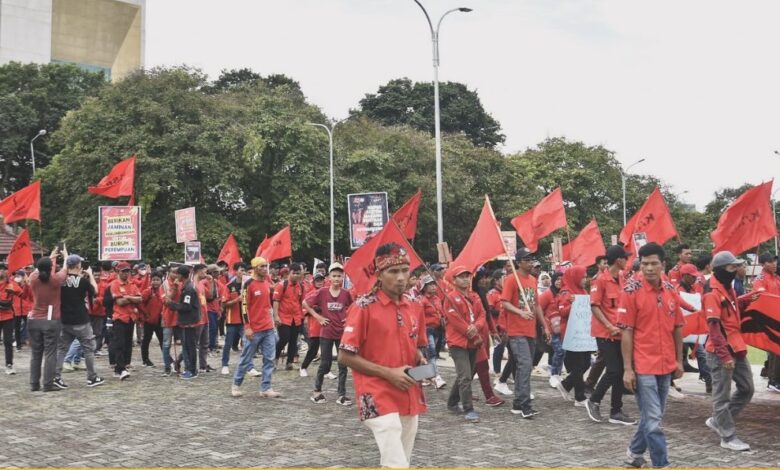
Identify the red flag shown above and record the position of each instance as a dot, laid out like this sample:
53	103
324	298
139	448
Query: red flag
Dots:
484	243
761	323
583	250
542	220
229	252
262	247
118	182
695	324
21	253
360	267
747	222
277	247
23	204
652	223
406	215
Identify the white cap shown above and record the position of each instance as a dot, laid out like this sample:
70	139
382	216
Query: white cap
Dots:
334	266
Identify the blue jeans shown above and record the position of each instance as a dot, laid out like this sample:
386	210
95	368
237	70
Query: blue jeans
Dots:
651	393
166	346
213	329
74	353
265	341
231	333
556	367
430	352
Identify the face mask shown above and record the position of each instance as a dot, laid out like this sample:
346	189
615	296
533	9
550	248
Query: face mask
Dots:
723	276
18	279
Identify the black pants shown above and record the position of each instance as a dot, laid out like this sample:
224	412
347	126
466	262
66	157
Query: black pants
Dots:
97	329
221	325
121	344
440	339
326	361
19	324
149	330
576	363
314	347
595	370
8	340
613	360
288	336
509	367
189	349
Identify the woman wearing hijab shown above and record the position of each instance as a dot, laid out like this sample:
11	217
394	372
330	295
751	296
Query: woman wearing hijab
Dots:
576	362
548	302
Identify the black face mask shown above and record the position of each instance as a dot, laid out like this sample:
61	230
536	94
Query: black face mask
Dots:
723	276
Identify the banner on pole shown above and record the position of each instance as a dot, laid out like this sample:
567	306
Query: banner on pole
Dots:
510	242
186	227
368	215
119	233
192	252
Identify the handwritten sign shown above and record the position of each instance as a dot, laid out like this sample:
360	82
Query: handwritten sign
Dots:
578	338
119	233
186	227
695	301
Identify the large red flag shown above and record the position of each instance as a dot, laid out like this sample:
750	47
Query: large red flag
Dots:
583	250
652	223
360	267
229	252
747	222
21	253
277	247
23	204
406	216
761	323
542	220
484	243
118	182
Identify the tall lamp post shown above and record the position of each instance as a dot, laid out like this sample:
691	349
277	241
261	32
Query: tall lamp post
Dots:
623	181
437	124
40	133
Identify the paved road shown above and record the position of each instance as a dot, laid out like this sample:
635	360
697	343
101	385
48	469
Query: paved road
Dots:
154	421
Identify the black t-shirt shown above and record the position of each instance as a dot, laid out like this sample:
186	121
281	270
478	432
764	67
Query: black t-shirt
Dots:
73	300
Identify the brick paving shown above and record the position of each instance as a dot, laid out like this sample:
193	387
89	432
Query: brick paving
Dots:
153	421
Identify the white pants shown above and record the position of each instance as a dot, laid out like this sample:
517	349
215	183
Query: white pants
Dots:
394	435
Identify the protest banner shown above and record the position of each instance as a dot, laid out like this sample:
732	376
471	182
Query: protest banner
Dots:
119	233
186	227
510	242
368	215
192	252
578	338
695	301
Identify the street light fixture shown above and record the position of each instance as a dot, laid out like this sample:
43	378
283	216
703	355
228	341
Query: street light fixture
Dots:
437	117
623	181
40	133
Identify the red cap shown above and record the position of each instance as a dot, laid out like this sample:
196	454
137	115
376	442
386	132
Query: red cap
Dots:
458	270
123	266
690	269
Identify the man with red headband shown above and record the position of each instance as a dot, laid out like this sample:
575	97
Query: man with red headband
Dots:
381	338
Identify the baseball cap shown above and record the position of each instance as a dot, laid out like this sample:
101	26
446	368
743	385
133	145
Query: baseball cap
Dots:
73	260
319	277
258	261
437	267
616	252
523	253
689	269
335	266
123	266
725	258
426	279
212	268
766	257
458	270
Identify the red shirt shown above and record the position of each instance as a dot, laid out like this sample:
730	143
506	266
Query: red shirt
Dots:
332	308
515	324
129	312
385	333
721	303
258	305
766	282
142	282
464	310
432	310
104	281
494	301
674	274
653	314
170	317
233	312
152	305
289	299
605	293
203	286
8	291
23	302
315	329
215	302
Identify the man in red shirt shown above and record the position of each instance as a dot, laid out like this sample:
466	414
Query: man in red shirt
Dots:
258	321
234	326
726	352
651	320
522	312
97	314
288	314
151	307
380	343
214	307
126	297
8	290
684	256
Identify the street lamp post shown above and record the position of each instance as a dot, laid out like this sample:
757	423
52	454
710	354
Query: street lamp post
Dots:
40	133
436	117
623	181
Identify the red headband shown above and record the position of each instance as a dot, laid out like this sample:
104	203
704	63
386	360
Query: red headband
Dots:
396	257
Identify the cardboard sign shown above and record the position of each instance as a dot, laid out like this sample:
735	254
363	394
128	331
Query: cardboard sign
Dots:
578	338
119	233
368	215
695	301
186	227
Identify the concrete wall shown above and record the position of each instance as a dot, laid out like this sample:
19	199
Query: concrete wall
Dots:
25	31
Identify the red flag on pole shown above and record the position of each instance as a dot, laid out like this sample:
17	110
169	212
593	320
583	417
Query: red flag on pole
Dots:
747	222
652	223
542	220
406	215
484	243
360	267
277	247
229	252
583	250
761	323
118	182
23	204
21	253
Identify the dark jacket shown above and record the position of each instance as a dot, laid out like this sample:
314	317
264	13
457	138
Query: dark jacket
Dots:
188	306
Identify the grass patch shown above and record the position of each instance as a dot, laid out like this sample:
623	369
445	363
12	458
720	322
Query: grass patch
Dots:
756	356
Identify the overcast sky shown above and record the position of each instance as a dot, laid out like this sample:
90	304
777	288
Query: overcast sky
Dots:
692	86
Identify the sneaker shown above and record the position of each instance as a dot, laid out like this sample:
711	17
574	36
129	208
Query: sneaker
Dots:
270	394
288	367
502	388
494	401
303	373
563	391
124	375
187	375
59	383
594	411
100	353
773	387
202	370
35	387
456	410
580	404
95	382
209	368
331	375
67	367
674	393
711	424
342	400
254	373
166	372
734	443
526	413
317	398
235	390
472	417
116	375
554	381
634	460
79	366
438	382
531	396
225	370
148	364
621	418
9	370
51	389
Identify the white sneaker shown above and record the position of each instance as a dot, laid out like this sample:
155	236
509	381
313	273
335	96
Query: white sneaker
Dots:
532	397
270	394
303	373
79	366
9	370
581	404
554	381
675	394
254	373
502	388
225	370
734	444
438	382
235	390
67	367
331	375
124	375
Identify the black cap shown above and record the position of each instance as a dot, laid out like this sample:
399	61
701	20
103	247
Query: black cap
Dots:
319	277
616	252
523	253
199	266
766	257
437	267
